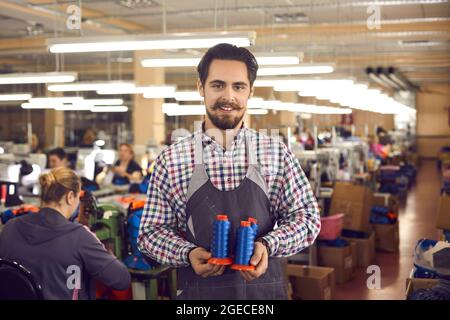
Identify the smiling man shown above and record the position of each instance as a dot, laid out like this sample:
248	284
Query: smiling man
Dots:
227	168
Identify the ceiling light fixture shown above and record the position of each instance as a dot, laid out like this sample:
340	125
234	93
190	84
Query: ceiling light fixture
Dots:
273	58
15	96
149	42
46	77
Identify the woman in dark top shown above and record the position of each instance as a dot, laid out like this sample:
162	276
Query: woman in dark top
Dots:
64	257
126	170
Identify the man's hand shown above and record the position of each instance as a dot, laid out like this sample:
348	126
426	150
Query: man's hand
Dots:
199	262
260	260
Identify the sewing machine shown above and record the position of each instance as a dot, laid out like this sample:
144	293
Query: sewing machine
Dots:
106	221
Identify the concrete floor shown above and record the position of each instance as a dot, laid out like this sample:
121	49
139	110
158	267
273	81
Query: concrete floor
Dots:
417	220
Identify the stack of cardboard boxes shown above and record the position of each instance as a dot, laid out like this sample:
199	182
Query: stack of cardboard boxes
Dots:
311	283
386	235
443	215
355	202
338	263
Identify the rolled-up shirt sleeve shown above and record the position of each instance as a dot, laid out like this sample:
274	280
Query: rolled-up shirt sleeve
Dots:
158	237
297	214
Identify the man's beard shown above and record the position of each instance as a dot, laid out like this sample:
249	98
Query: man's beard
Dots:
225	122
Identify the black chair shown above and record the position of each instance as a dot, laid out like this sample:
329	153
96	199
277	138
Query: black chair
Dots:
17	283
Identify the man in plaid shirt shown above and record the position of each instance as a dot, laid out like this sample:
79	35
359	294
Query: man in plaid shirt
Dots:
226	168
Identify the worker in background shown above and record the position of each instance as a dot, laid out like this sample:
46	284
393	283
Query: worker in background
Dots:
227	168
35	144
89	138
53	249
126	170
57	158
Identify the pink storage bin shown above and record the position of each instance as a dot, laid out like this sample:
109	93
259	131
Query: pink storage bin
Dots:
331	227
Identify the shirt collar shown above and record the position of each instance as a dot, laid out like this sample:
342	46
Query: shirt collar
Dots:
238	138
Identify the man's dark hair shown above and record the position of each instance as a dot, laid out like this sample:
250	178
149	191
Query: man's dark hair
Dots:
225	51
59	152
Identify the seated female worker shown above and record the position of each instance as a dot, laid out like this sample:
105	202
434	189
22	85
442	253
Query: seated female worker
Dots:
64	257
126	170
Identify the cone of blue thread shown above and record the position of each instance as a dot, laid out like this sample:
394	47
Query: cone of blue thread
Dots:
245	243
254	225
220	241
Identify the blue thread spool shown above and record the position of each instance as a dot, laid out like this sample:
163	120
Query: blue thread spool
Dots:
220	239
245	243
254	225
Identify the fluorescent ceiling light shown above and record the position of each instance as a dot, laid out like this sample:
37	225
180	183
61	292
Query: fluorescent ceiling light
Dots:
150	42
299	85
274	58
294	84
46	77
49	100
90	86
309	108
257	111
103	102
69	103
174	109
170	62
28	105
110	109
187	96
278	58
159	92
148	91
295	69
73	107
15	97
357	96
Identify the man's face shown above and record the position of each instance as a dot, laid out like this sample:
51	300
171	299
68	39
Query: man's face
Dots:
226	92
55	162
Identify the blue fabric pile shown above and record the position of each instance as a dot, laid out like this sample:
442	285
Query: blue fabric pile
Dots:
337	243
439	292
382	215
136	260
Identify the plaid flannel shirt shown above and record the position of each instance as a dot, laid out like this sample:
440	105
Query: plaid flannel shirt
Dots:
293	204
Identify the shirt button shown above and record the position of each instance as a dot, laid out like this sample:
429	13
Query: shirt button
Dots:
229	180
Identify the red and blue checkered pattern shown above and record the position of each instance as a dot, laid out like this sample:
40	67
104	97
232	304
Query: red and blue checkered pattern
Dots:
293	205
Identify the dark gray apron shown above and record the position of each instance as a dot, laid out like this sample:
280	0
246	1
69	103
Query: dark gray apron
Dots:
204	202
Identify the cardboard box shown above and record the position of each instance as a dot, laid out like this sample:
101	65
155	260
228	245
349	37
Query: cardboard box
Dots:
387	200
339	258
443	216
356	202
365	250
386	237
414	284
311	283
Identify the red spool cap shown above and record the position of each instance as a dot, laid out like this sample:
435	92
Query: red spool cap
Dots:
253	220
242	268
221	261
245	224
222	217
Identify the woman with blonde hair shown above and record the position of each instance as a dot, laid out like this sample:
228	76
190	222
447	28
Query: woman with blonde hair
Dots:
64	257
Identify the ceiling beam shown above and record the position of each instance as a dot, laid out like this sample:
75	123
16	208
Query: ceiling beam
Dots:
22	12
93	14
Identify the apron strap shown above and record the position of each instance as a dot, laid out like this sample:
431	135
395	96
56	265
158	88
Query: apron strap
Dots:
254	170
251	154
199	176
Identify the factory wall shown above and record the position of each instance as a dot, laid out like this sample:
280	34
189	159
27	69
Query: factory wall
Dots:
433	119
